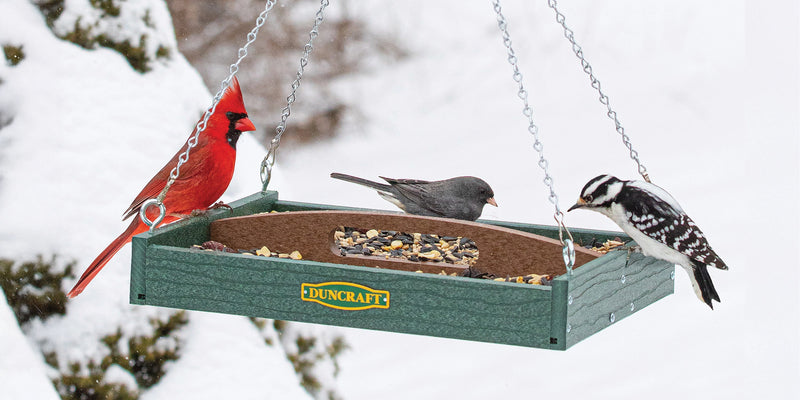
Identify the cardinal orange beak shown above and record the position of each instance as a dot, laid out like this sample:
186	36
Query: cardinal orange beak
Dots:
491	201
244	125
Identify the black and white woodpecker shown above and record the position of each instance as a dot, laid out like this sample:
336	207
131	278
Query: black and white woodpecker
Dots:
658	224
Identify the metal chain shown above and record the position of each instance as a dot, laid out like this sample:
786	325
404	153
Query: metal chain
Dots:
570	35
522	93
201	125
269	160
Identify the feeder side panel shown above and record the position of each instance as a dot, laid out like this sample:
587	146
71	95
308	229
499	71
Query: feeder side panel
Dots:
138	270
418	303
558	323
611	288
185	233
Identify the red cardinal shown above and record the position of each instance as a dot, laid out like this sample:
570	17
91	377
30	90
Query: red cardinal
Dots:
202	181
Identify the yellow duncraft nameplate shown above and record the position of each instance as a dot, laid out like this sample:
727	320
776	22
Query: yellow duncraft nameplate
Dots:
345	296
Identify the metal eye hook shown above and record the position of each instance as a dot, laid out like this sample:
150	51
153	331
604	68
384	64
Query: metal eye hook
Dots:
268	162
162	212
569	255
266	175
568	251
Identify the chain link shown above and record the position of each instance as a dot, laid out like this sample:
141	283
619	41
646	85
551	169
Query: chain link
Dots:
522	93
269	160
201	125
587	68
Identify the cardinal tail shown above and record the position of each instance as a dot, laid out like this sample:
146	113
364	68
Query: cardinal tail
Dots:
104	257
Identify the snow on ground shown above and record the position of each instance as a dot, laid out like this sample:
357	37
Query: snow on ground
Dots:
22	369
229	340
699	87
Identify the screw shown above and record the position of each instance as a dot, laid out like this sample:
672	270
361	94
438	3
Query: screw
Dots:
672	275
569	300
612	317
622	279
569	327
632	307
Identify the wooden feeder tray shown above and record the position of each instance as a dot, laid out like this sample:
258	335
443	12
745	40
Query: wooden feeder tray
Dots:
390	294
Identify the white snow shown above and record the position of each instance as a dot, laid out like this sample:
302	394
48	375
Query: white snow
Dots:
217	346
117	374
158	32
707	91
23	373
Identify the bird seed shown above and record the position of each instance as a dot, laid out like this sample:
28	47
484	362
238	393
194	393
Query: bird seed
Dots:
409	246
261	252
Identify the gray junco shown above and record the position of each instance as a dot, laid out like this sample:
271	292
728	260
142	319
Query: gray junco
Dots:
462	197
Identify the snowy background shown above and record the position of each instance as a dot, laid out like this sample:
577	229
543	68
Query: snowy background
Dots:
707	91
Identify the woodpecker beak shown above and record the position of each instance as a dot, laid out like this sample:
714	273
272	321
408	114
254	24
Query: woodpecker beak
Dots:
579	204
491	201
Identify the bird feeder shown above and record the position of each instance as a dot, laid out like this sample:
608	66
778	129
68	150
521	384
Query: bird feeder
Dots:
333	289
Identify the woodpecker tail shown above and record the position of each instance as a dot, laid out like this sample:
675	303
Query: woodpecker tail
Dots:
105	256
703	286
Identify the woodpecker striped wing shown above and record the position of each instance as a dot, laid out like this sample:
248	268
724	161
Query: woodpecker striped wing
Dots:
660	221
